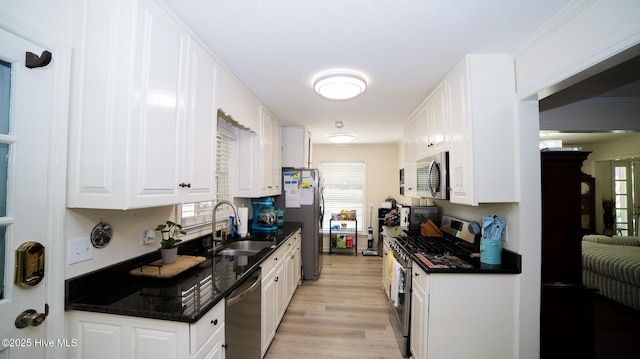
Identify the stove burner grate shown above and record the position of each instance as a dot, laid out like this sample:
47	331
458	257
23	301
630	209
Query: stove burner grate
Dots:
433	245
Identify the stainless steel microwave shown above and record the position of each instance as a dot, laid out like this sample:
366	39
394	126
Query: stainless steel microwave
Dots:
433	176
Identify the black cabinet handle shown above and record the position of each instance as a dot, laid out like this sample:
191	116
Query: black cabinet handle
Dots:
183	185
214	322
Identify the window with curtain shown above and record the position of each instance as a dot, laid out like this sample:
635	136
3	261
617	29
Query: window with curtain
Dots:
343	189
199	213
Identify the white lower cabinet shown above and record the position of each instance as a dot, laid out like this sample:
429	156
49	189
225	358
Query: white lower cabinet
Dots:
386	283
293	262
477	307
278	286
419	303
115	336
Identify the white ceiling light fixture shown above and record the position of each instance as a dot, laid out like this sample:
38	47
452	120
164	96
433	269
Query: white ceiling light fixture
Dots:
340	137
340	85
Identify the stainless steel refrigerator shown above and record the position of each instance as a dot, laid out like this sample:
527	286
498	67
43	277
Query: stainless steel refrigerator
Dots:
302	201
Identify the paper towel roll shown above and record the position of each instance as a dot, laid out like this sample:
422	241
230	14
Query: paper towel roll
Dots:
243	216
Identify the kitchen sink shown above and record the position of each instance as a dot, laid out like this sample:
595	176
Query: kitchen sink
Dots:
244	248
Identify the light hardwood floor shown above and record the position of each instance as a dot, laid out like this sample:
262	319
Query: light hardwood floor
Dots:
344	314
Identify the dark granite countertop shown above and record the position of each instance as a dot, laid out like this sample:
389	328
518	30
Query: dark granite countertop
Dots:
511	262
184	298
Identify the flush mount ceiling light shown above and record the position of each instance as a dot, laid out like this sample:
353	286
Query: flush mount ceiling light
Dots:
340	85
340	137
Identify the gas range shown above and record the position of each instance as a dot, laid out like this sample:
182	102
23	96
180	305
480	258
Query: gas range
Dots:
450	251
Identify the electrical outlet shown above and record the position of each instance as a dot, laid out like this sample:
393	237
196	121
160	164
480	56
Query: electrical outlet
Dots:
148	236
80	250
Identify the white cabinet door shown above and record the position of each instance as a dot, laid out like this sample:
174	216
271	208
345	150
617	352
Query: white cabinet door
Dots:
385	269
214	347
199	159
460	158
440	120
159	81
259	165
423	130
432	124
483	149
281	290
276	157
266	154
140	108
296	147
292	265
410	156
418	338
279	270
268	310
270	282
114	336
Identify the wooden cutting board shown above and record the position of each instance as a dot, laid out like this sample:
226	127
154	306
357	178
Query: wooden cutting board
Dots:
158	270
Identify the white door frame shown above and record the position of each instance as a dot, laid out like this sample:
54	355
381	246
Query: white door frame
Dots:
57	169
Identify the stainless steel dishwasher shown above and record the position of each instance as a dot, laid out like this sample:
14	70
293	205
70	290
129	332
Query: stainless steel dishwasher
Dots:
242	320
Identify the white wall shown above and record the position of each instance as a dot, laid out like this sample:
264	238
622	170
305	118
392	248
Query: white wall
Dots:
127	230
382	176
46	22
553	61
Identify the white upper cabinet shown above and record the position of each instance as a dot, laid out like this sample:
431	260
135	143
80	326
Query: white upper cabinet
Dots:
142	105
471	115
201	126
440	124
259	159
482	157
296	147
410	155
433	125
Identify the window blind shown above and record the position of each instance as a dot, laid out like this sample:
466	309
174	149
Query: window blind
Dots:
343	189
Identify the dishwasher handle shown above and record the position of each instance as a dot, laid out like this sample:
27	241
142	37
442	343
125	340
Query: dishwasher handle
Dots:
235	298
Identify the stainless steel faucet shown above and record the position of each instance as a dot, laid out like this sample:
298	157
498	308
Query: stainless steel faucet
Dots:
213	224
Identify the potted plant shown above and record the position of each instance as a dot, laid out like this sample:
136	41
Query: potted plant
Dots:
168	240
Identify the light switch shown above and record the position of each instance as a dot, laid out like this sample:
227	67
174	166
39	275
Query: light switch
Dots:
80	250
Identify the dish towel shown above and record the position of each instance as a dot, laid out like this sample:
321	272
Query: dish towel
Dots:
397	282
390	266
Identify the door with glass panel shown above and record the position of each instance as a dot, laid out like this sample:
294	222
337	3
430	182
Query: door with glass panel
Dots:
26	108
625	191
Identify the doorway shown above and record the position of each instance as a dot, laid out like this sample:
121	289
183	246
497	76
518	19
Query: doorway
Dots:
33	112
618	182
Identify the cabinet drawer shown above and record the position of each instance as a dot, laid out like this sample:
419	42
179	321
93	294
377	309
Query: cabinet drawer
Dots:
420	277
274	258
204	328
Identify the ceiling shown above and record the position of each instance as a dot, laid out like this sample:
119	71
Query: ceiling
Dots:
620	84
403	48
